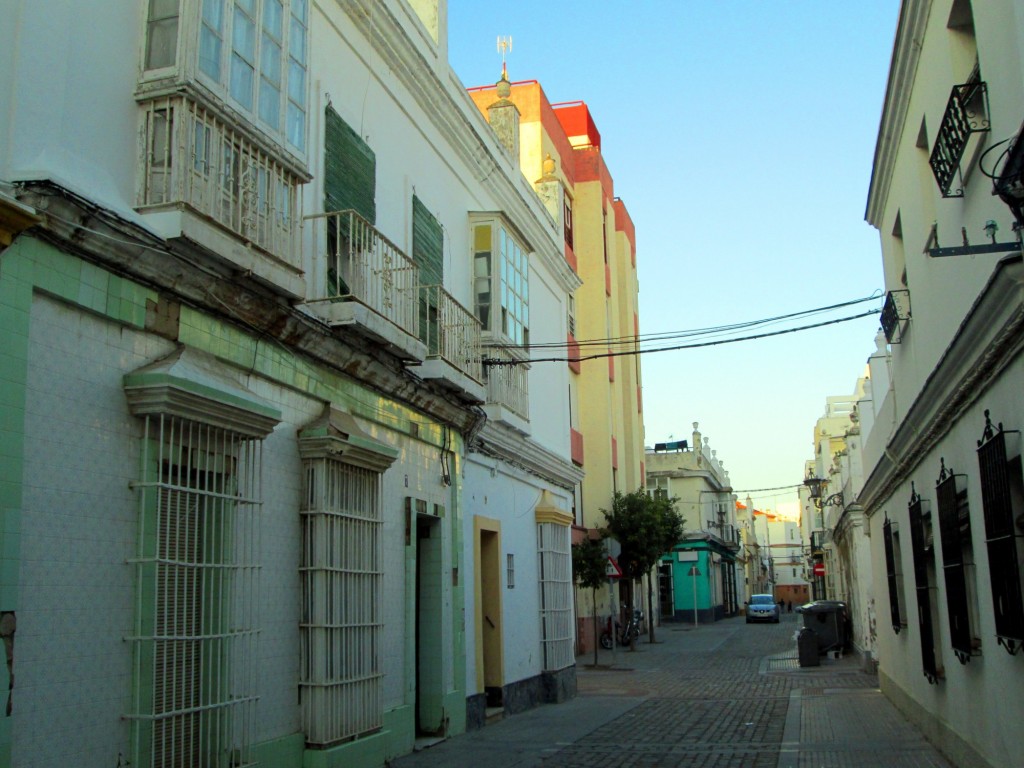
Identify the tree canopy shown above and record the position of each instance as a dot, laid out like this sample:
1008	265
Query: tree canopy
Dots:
646	527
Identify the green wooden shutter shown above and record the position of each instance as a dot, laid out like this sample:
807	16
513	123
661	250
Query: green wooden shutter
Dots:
350	170
428	253
427	244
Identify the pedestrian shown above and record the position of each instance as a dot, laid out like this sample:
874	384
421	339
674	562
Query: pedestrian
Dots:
789	607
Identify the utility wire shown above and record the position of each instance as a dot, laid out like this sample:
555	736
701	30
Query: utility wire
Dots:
711	330
629	353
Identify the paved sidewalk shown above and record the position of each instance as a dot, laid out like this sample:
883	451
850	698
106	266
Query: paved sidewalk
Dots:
724	695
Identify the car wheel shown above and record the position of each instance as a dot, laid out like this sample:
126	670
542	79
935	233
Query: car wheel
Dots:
748	621
776	619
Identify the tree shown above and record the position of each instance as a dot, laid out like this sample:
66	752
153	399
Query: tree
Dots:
589	561
646	527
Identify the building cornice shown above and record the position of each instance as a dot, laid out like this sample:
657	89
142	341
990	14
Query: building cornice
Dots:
519	451
183	274
990	338
906	55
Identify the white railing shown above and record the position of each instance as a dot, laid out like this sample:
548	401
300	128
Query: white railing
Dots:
192	158
364	266
507	381
451	332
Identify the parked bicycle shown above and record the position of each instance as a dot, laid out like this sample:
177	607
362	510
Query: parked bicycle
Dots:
624	634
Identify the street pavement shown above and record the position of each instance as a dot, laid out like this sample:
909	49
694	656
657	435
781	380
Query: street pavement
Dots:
727	695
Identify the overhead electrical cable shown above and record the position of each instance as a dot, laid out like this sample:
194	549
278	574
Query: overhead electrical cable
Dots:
697	332
677	347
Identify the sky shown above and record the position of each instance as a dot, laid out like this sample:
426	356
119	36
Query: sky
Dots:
740	134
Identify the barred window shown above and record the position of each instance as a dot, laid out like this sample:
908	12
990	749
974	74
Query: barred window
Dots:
196	565
924	583
555	563
1002	495
958	565
341	571
894	574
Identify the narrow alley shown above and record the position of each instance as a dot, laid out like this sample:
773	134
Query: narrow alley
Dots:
728	695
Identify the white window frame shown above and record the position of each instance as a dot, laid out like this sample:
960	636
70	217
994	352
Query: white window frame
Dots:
507	280
289	126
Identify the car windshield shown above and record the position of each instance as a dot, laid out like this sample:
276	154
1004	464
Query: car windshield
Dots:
762	600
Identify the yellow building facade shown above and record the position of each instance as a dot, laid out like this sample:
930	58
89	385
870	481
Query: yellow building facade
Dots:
559	151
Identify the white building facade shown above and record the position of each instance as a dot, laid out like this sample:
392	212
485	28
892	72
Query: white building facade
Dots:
943	487
249	432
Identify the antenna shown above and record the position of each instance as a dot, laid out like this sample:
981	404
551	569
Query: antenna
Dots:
504	46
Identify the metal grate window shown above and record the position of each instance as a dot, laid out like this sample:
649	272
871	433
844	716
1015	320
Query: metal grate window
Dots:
556	595
920	542
957	559
341	571
999	479
194	690
894	574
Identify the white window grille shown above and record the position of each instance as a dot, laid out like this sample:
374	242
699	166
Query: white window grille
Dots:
194	689
508	380
555	562
193	158
341	671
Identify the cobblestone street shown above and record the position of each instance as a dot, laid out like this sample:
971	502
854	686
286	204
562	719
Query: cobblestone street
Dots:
727	695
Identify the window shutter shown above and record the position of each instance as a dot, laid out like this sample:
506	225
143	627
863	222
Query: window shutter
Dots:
350	169
428	253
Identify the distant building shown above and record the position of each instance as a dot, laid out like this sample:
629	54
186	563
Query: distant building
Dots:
944	491
701	578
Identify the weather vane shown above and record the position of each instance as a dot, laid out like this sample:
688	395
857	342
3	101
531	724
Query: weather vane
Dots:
504	46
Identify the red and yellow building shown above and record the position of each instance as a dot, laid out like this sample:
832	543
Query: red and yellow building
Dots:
559	151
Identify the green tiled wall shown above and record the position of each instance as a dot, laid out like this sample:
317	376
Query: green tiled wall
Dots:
31	265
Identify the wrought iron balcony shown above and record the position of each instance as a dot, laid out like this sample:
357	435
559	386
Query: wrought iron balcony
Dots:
895	312
370	283
195	163
966	114
507	377
817	542
451	332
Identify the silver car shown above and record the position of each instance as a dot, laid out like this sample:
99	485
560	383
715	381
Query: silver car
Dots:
763	608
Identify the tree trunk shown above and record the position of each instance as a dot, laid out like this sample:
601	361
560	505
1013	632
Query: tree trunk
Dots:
650	610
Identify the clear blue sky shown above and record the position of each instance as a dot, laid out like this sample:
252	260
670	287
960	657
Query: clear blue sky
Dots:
740	135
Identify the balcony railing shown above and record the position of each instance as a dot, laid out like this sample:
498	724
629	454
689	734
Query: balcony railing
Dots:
507	378
966	113
193	159
817	542
364	266
451	332
895	312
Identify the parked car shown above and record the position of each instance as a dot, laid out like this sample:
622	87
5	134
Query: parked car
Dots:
763	608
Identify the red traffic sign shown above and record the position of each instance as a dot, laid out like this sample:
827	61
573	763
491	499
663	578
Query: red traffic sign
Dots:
819	569
611	569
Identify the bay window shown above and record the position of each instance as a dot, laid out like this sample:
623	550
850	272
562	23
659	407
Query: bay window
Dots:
501	292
